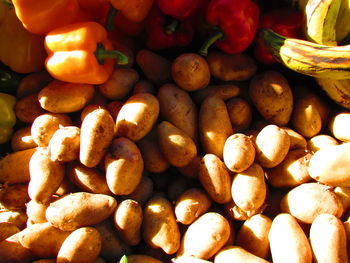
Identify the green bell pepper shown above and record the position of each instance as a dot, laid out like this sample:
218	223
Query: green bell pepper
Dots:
9	81
7	116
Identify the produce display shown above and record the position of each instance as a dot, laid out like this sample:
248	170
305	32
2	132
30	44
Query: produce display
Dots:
203	131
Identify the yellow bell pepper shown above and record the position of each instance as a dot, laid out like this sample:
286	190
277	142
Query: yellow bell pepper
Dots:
7	116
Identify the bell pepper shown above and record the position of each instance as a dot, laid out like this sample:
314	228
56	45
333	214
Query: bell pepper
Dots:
179	9
97	9
133	10
42	16
20	50
81	53
235	24
163	35
7	116
9	81
284	21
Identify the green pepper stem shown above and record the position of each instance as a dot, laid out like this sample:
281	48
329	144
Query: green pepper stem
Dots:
8	3
112	12
171	28
218	35
101	54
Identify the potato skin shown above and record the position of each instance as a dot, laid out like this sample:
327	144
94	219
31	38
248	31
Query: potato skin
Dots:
339	126
138	258
22	139
12	251
237	254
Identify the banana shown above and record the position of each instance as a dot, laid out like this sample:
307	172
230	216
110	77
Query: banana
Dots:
342	27
308	58
321	18
337	90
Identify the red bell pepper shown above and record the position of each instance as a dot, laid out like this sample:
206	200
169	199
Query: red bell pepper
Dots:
179	9
236	23
161	35
96	9
285	21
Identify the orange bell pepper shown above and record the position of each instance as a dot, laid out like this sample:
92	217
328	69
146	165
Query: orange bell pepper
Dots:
42	16
134	10
20	50
81	53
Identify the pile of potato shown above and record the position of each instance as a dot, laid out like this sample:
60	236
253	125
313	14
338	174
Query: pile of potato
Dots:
187	160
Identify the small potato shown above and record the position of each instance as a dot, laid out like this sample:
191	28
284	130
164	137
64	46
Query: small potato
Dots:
17	217
96	133
14	167
177	107
124	166
128	220
22	139
87	179
43	239
236	213
215	178
306	201
142	259
328	239
344	195
191	204
142	86
240	112
253	235
296	139
114	108
36	212
239	152
57	96
160	229
205	236
28	108
80	209
82	246
33	83
178	147
272	96
12	251
45	176
143	191
248	188
14	196
339	126
227	67
224	91
191	170
272	145
64	145
330	165
45	125
288	240
7	229
189	259
190	71
214	125
319	141
137	116
237	254
119	84
292	171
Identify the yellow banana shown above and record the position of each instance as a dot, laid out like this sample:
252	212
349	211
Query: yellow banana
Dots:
343	22
308	58
337	90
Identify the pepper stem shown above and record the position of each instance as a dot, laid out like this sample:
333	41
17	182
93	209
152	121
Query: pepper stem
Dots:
218	35
112	12
101	54
171	28
8	3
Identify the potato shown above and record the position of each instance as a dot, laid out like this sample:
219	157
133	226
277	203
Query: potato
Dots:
7	229
248	188
319	141
205	236
124	166
80	209
57	96
272	145
87	179
12	251
330	165
143	191
142	86
119	84
344	195
64	145
339	126
17	217
215	178
236	213
189	259
45	176
239	152
160	229
178	148
128	220
114	108
28	108
292	171
22	139
33	83
190	71
138	258
253	235
288	240
36	212
96	133
177	107
191	204
152	155
45	125
296	139
14	196
224	91
43	239
82	245
237	254
306	201
272	96
191	170
240	112
214	125
137	116
328	239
